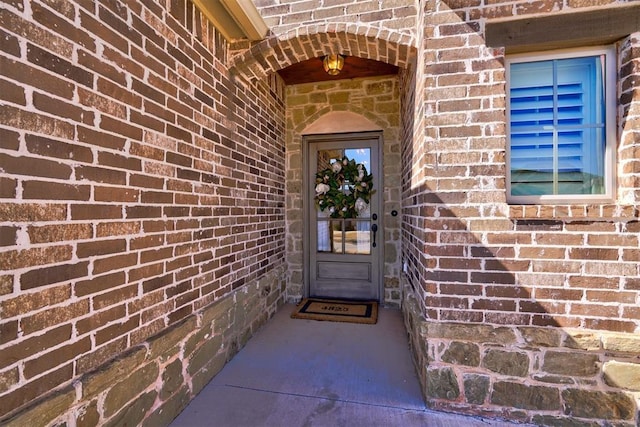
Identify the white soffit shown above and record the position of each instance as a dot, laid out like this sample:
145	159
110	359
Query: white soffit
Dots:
235	19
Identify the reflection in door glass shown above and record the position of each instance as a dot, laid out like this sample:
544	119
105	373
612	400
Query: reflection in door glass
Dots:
327	157
357	237
354	239
336	237
324	237
330	236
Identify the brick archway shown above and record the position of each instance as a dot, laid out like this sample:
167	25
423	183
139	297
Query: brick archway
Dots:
354	39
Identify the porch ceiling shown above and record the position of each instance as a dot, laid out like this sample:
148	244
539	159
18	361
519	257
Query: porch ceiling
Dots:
312	71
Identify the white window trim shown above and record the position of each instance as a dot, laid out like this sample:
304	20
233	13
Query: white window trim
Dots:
610	82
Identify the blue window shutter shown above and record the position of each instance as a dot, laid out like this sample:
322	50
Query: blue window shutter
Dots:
557	122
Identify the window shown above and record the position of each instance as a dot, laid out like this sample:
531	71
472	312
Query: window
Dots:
561	109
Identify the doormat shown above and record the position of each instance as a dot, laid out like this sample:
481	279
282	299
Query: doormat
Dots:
337	311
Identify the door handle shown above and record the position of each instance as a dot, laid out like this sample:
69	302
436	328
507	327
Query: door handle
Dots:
374	228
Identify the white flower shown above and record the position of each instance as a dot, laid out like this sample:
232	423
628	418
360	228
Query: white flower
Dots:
361	205
332	210
337	167
322	188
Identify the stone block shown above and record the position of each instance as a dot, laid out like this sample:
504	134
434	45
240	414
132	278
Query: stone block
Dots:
581	340
471	332
553	379
132	385
623	375
476	388
168	341
521	396
621	343
88	416
551	421
207	351
571	364
107	376
45	412
598	404
507	362
200	379
296	100
244	338
196	340
339	97
541	337
133	414
172	379
169	409
379	87
462	353
442	383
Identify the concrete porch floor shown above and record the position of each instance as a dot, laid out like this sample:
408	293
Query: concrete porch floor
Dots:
308	373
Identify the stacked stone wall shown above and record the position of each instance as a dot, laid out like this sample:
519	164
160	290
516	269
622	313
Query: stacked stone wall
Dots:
546	376
139	183
152	382
377	100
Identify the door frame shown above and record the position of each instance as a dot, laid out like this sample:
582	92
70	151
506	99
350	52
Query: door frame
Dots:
307	200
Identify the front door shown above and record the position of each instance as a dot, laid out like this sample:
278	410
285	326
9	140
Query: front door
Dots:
344	228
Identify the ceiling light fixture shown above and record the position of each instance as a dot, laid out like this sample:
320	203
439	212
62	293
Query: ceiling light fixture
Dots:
333	64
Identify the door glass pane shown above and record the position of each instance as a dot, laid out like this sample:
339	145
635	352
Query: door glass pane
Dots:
327	157
324	237
361	156
357	237
336	237
330	236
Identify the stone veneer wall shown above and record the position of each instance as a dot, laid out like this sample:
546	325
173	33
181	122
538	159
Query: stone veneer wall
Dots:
524	312
546	376
376	99
141	188
152	382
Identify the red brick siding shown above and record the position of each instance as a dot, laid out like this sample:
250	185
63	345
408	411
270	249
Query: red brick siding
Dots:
139	182
472	257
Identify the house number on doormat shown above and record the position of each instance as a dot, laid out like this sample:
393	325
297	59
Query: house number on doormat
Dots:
334	308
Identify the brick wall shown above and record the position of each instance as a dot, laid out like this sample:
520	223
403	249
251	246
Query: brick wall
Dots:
481	259
527	273
143	184
284	15
139	182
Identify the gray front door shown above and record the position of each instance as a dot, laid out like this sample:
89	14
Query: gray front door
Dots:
344	254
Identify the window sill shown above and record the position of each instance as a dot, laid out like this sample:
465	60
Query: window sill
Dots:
575	212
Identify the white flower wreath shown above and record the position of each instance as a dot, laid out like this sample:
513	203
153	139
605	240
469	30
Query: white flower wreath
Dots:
344	189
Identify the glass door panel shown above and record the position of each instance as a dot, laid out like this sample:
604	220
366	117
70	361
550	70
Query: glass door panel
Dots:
344	236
